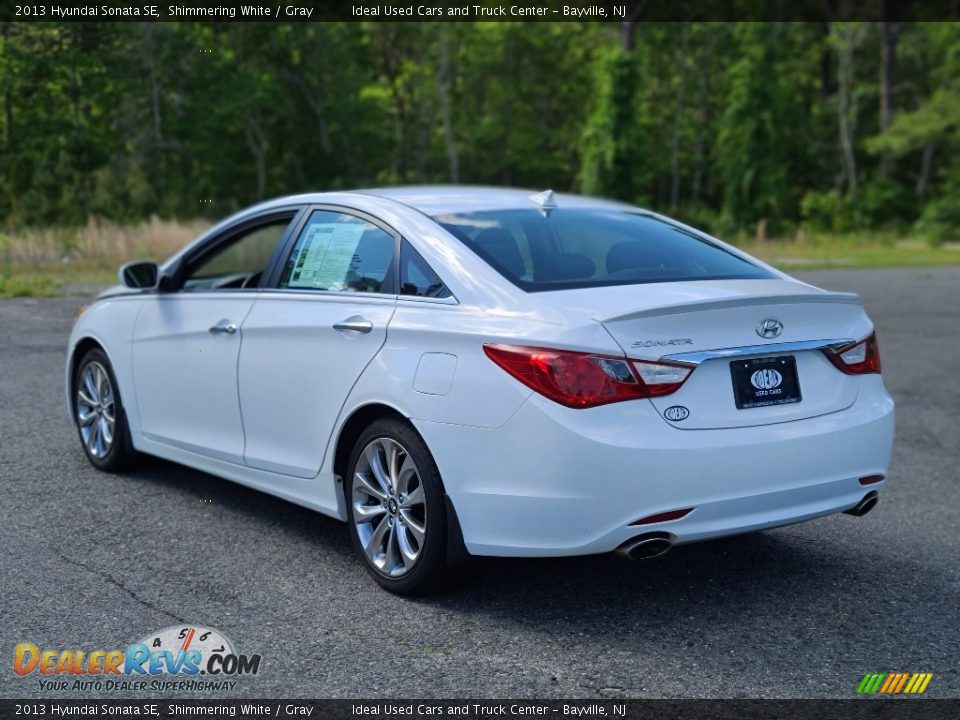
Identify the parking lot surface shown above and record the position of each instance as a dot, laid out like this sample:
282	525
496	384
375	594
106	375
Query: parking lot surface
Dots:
97	561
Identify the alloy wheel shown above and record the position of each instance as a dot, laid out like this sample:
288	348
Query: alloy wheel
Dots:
389	507
96	410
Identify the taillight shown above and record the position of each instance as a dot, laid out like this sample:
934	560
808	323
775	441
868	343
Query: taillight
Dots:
582	380
859	358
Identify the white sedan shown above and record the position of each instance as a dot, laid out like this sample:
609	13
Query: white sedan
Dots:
466	371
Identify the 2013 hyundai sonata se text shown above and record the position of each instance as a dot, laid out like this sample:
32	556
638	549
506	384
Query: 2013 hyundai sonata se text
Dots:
465	371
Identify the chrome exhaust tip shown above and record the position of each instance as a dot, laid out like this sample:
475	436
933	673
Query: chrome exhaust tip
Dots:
864	506
644	547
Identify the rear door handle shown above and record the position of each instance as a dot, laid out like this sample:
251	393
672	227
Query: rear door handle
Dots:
357	323
224	327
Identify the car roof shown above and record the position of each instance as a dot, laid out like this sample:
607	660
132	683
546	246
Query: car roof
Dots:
447	199
433	200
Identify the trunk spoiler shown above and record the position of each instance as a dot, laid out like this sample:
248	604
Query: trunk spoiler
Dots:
734	302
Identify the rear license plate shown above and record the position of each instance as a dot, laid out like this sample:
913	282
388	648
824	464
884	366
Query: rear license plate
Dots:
765	381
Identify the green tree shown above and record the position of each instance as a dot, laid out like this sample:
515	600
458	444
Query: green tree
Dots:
759	130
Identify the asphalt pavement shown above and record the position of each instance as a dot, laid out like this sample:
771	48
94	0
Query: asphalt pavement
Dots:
96	561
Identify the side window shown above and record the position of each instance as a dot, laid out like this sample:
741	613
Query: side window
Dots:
416	277
240	261
339	252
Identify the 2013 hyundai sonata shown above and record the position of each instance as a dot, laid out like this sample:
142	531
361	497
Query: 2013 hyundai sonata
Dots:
466	371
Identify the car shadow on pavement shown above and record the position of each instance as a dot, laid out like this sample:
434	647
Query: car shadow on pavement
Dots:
786	566
256	507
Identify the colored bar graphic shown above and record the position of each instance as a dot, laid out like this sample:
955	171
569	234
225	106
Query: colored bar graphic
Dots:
894	683
901	683
870	683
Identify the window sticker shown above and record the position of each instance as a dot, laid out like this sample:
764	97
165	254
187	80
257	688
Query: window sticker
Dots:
327	252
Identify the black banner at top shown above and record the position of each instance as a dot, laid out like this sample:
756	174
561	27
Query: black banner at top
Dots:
605	11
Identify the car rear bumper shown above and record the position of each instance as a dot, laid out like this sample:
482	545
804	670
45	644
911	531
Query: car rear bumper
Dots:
554	481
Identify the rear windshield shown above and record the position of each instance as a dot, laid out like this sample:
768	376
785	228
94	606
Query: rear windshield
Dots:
571	248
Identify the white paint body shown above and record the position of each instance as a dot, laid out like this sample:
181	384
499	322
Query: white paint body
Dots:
527	477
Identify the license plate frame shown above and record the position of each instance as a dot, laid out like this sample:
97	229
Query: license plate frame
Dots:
754	388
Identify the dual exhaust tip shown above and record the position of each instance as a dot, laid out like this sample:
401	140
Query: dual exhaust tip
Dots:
644	547
655	544
867	504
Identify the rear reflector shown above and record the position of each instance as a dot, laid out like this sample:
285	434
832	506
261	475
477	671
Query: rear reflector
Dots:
662	517
871	479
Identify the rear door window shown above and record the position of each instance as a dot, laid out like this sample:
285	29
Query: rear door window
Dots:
338	252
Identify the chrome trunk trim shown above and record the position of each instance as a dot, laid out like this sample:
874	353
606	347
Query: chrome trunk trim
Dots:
698	356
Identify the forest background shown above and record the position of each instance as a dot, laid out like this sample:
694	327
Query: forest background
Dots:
811	144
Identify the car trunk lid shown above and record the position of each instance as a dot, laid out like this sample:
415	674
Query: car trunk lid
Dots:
718	326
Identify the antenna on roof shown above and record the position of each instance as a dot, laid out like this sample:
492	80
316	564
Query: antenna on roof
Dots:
545	201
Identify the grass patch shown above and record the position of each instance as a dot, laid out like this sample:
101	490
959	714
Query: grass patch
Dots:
791	255
27	286
39	281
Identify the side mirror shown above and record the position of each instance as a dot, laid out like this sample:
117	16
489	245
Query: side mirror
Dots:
140	274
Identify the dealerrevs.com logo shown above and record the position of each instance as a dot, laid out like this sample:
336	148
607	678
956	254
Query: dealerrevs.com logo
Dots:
176	658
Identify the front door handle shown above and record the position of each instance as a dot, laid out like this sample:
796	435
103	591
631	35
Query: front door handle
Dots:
224	327
357	323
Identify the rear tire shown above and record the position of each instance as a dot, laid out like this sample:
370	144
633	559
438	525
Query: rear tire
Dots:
99	416
396	509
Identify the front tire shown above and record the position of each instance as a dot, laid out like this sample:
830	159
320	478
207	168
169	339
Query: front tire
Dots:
98	414
395	509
